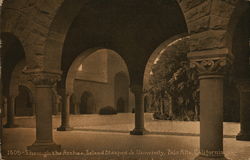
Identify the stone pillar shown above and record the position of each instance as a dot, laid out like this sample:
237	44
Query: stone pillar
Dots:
76	108
139	111
34	108
10	112
211	76
4	111
55	108
44	81
244	89
59	103
55	102
65	113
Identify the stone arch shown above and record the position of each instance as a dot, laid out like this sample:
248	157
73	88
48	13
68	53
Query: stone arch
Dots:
157	52
87	103
12	53
151	98
237	39
24	102
69	80
21	88
29	21
66	14
10	26
91	78
209	24
71	73
240	9
240	47
17	78
63	12
121	91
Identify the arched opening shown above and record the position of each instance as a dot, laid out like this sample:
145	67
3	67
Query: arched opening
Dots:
12	61
87	104
239	77
123	23
121	92
170	83
24	102
103	73
12	52
116	25
121	105
239	46
131	27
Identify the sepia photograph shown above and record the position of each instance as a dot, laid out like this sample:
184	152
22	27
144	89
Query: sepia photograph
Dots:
125	79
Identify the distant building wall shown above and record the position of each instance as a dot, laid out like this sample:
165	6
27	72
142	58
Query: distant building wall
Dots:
97	76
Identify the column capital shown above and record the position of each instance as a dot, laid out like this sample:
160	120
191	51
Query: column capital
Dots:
43	78
67	94
213	66
243	85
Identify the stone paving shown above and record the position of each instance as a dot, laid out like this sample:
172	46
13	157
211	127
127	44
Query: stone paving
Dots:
115	143
124	122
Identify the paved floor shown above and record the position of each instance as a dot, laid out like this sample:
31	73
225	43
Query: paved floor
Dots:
125	123
115	143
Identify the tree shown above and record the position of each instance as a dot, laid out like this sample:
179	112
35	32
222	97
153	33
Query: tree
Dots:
173	80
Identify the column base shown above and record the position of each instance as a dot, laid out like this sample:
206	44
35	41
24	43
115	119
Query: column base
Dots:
202	157
243	137
139	132
8	125
44	147
64	128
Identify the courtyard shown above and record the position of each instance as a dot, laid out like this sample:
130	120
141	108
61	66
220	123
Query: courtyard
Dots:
107	137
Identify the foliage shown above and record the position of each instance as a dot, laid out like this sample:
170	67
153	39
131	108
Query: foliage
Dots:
174	85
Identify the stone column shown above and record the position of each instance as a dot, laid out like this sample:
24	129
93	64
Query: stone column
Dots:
244	89
211	76
139	111
59	103
34	108
74	104
75	108
65	113
4	111
55	101
44	81
10	112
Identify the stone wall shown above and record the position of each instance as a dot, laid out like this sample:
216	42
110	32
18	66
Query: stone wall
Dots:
103	91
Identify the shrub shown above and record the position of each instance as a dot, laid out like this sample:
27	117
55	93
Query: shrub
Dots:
133	110
164	116
107	110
